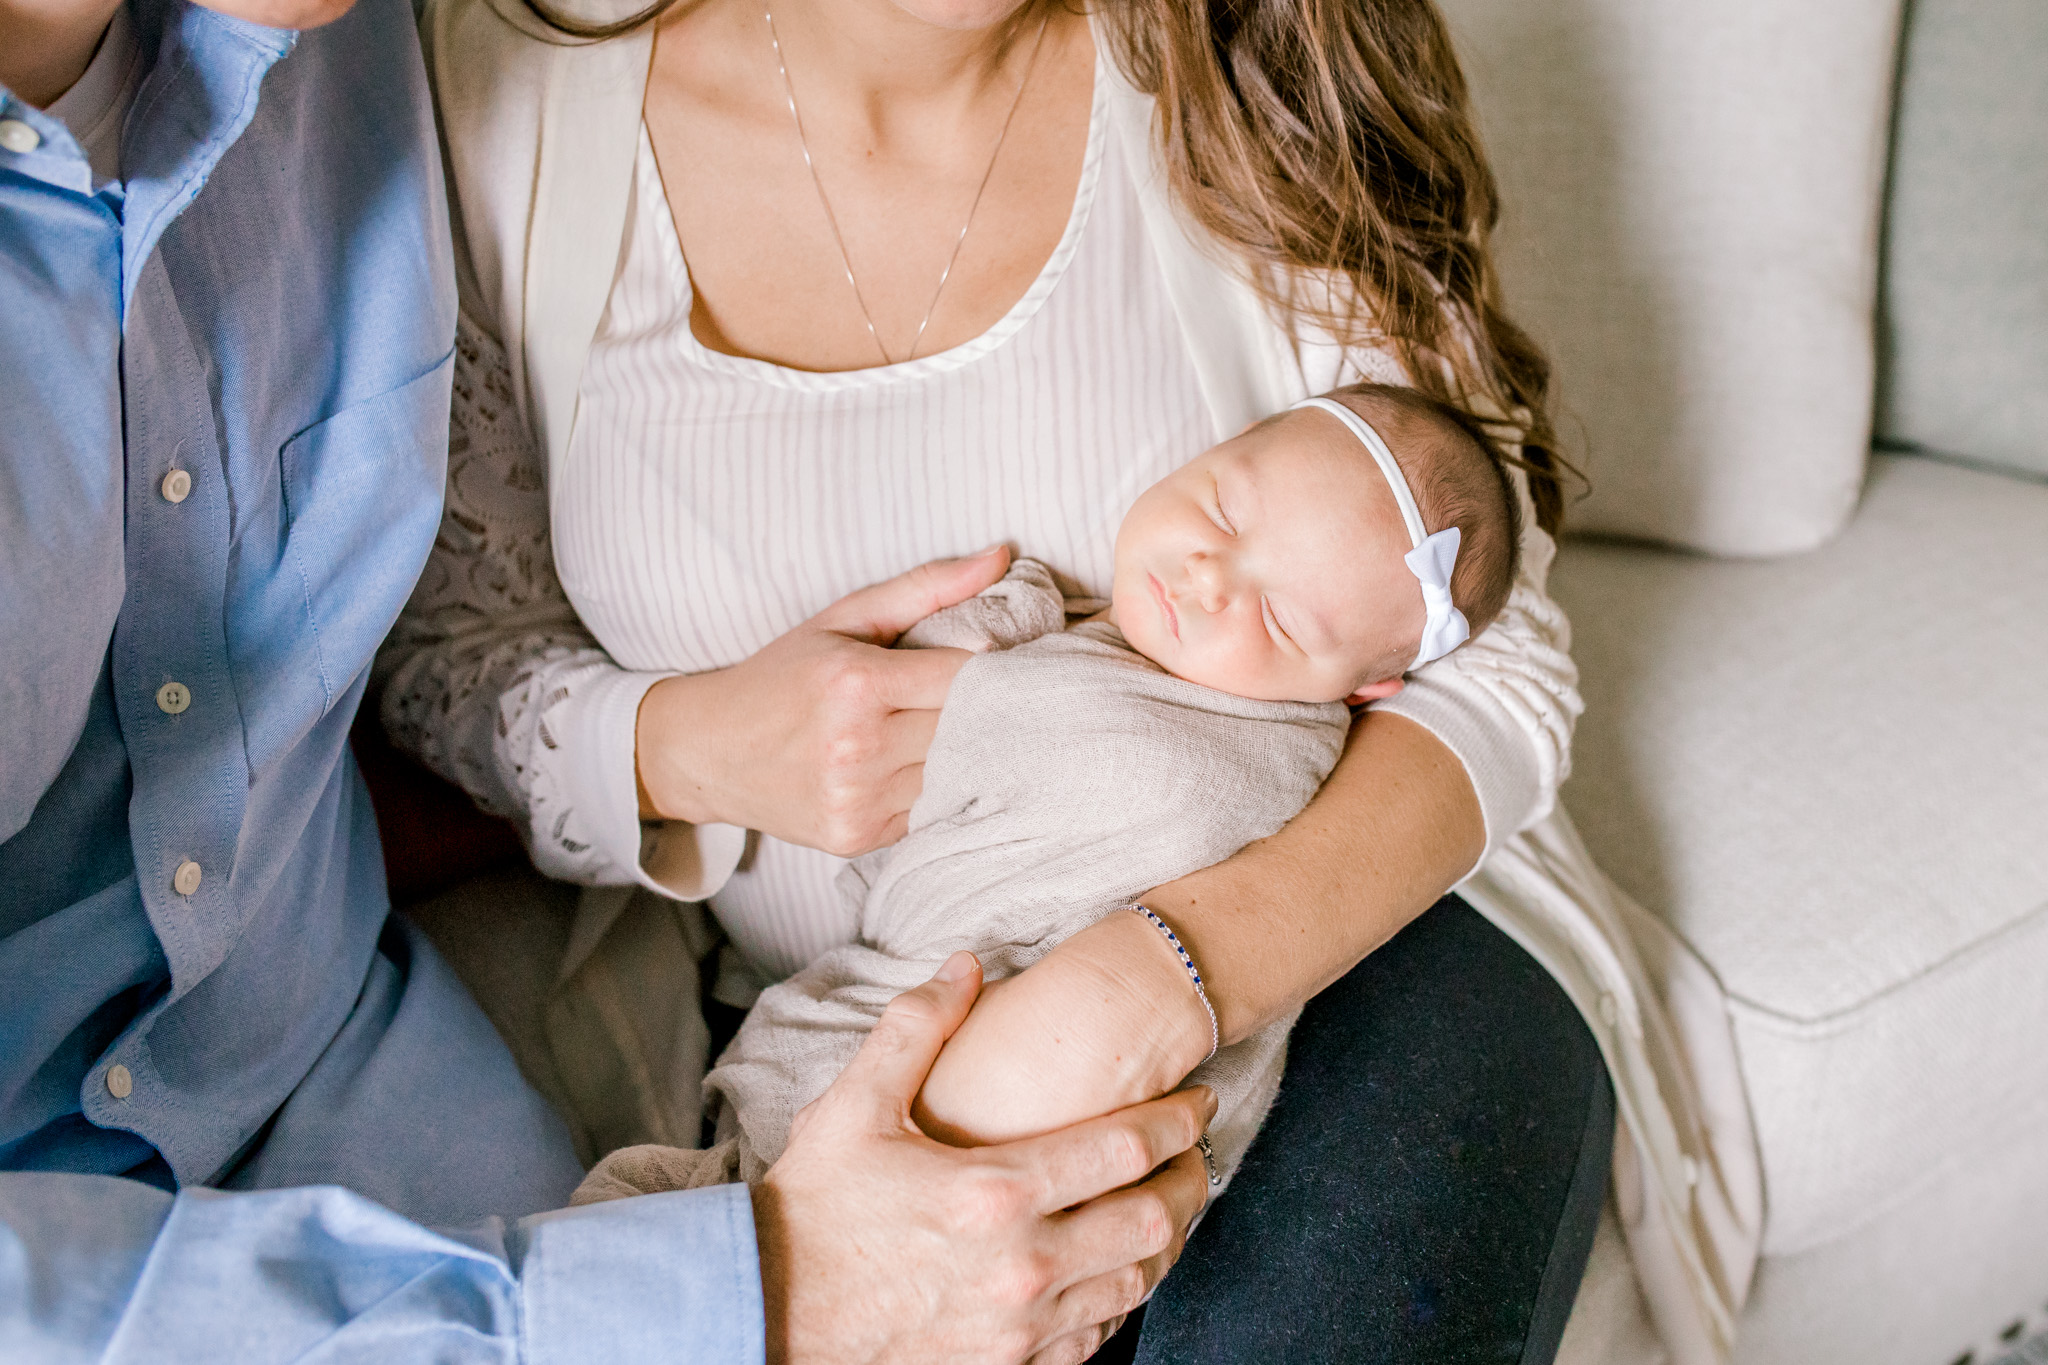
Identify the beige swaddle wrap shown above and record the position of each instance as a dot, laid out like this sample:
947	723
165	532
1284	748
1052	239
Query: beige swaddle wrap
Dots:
1067	777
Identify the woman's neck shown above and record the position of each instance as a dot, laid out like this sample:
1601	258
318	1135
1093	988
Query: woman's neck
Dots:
45	45
872	58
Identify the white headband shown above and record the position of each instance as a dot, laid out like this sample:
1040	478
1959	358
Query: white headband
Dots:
1433	556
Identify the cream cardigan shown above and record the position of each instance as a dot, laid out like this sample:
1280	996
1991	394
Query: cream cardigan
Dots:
541	137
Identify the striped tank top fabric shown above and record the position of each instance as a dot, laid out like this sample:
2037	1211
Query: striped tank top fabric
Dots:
707	503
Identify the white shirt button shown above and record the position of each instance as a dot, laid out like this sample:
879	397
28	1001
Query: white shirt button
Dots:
119	1083
186	879
177	486
172	698
17	136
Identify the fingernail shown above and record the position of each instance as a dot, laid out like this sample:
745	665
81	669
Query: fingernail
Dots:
1208	1104
955	968
984	554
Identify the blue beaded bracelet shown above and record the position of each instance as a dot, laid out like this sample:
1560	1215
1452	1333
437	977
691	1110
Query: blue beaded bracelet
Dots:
1194	973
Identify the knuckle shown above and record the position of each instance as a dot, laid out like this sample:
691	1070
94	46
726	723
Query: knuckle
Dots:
846	828
1020	1281
907	1020
1154	1224
844	678
888	1040
908	1013
842	840
1125	1155
924	584
1009	1344
992	1199
1127	1290
1068	1350
847	747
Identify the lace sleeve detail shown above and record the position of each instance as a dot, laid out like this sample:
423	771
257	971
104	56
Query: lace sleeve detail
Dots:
488	657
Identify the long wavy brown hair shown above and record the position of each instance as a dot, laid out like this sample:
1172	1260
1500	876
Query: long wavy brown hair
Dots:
1331	143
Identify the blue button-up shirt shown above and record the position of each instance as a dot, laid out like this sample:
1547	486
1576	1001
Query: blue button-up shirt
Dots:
233	1093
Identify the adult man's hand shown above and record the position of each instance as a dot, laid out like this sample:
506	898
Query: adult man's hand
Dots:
880	1244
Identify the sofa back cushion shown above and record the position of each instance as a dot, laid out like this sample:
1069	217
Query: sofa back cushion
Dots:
1692	199
1965	334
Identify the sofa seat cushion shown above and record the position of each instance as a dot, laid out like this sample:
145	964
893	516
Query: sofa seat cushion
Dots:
1830	776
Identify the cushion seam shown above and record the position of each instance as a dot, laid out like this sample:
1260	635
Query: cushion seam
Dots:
1839	1021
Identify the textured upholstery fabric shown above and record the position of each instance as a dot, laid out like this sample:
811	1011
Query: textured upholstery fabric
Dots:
1830	775
1692	201
1938	1274
1965	324
1921	1283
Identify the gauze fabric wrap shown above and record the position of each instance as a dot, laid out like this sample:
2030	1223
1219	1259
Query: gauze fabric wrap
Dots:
1068	776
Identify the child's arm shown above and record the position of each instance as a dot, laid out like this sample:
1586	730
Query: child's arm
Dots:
1109	1018
1082	1033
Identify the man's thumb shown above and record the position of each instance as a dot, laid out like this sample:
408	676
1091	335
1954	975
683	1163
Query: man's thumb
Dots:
884	611
892	1064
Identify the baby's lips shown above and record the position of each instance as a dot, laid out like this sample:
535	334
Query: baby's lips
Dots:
1165	603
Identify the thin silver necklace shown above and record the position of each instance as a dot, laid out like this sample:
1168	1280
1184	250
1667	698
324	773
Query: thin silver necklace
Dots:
832	219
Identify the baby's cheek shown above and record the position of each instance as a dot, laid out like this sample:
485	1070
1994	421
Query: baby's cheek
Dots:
1133	620
1233	662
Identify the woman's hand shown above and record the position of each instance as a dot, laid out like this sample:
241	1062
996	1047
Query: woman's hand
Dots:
819	739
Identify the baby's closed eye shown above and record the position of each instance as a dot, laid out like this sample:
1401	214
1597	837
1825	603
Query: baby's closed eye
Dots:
1273	626
1216	512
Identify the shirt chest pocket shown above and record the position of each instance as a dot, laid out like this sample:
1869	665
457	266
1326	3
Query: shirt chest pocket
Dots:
360	498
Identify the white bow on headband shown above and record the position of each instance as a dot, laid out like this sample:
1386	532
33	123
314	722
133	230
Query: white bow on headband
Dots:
1433	557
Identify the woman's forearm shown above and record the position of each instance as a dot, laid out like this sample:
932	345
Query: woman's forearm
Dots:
1396	824
1109	1017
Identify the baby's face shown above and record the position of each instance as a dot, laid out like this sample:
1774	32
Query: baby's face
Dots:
1271	567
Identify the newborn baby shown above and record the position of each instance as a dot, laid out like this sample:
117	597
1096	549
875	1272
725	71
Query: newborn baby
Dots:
1311	560
1282	565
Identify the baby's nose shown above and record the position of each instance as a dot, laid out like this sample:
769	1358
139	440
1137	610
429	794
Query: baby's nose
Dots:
1210	579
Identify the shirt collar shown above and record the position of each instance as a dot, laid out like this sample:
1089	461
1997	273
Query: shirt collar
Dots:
198	98
207	70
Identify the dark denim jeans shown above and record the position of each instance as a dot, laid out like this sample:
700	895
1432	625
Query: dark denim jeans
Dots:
1427	1185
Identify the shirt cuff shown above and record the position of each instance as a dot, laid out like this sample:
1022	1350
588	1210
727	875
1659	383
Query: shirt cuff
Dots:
671	858
1494	750
673	1279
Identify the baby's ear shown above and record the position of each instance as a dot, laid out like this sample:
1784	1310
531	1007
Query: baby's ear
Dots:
1378	691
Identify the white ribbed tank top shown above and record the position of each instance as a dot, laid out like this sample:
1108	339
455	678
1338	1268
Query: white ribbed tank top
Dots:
707	503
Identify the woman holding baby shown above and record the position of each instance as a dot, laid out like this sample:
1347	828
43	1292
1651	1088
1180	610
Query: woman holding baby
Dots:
772	318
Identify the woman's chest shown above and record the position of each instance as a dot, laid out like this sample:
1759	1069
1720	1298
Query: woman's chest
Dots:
707	504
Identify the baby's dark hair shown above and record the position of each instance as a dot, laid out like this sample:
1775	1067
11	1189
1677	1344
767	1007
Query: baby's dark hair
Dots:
1458	472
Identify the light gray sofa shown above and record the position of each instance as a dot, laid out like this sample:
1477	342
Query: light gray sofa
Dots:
1826	770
